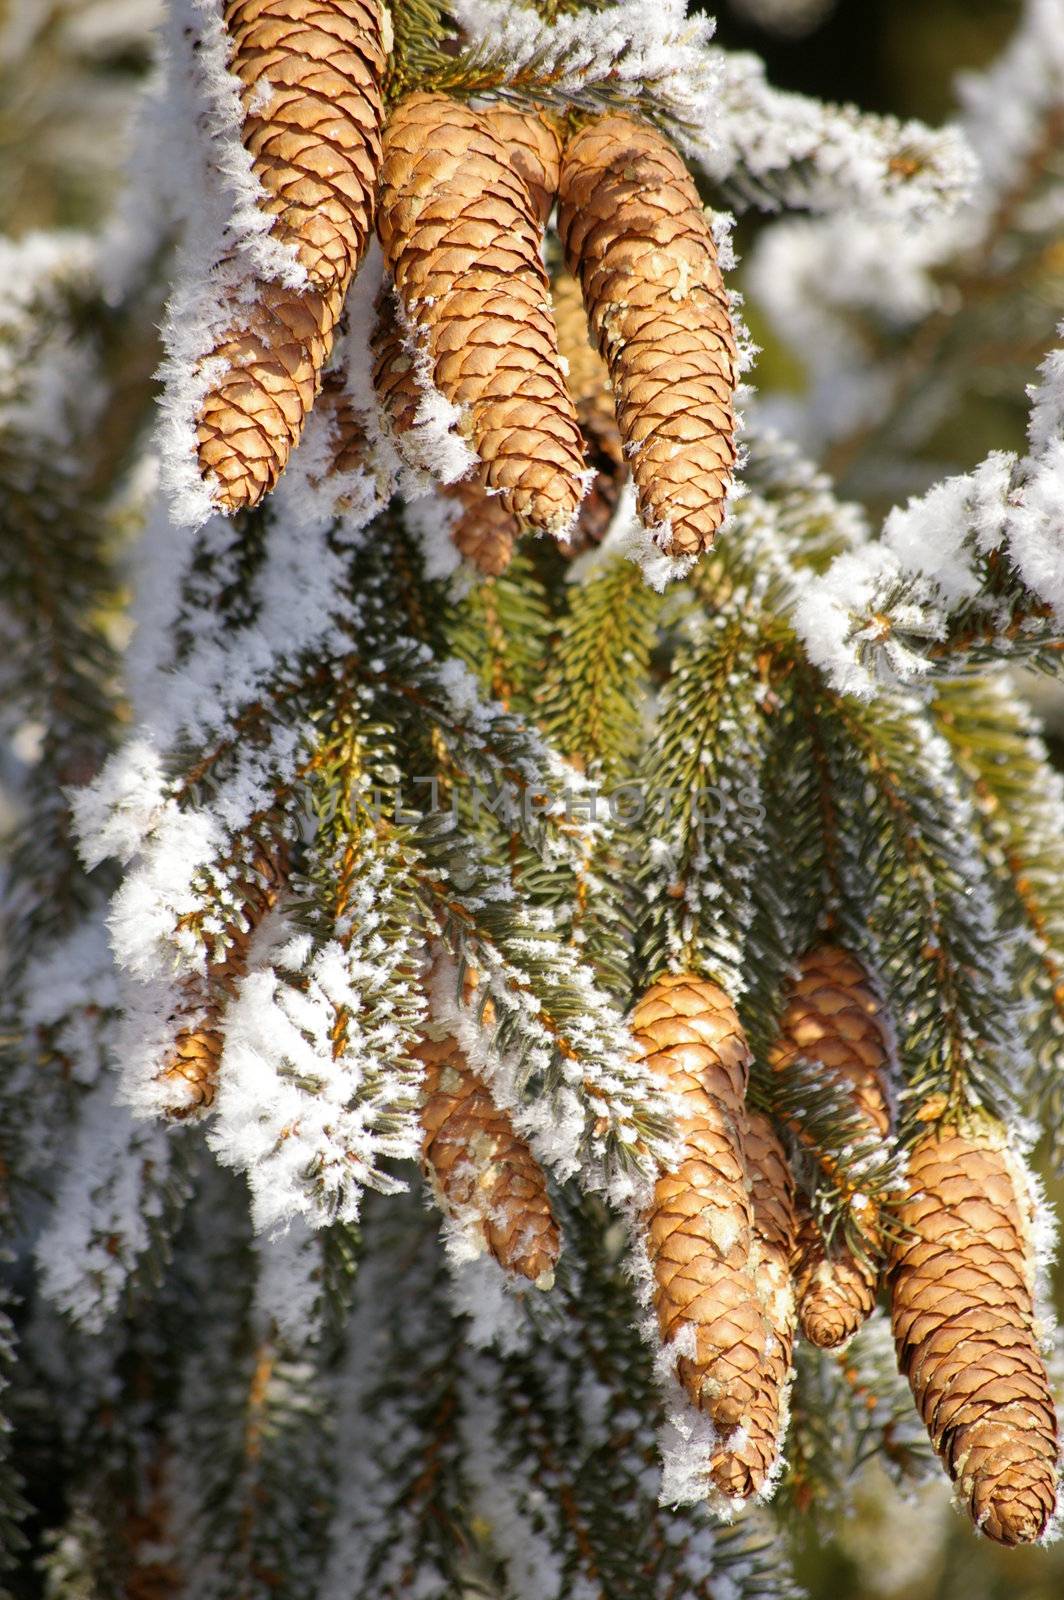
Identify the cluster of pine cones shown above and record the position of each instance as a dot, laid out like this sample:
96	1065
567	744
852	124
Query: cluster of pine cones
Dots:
460	199
738	1262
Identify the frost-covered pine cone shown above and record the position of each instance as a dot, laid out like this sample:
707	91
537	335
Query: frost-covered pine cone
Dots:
635	234
312	72
961	1277
461	234
252	417
481	1169
700	1227
189	1079
833	1019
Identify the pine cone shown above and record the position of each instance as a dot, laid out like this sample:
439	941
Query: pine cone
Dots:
835	1286
960	1276
461	235
485	532
251	420
477	1163
833	1019
313	111
772	1200
700	1221
589	384
395	378
351	445
635	234
192	1068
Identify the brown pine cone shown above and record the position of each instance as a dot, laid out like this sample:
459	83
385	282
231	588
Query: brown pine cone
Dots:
252	418
477	1163
191	1071
772	1200
635	234
833	1019
313	109
395	378
485	532
960	1277
589	384
348	435
461	236
700	1221
311	72
835	1286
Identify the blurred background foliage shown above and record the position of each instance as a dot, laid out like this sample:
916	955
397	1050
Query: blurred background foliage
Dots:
70	71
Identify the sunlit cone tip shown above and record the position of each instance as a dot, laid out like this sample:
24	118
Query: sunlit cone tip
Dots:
461	236
635	234
481	1170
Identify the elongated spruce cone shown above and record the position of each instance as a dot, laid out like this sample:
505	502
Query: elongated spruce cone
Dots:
461	235
484	532
836	1287
833	1019
252	418
589	385
479	1167
773	1236
189	1078
960	1276
311	72
700	1225
635	234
